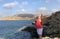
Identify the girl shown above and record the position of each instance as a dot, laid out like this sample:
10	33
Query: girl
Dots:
38	25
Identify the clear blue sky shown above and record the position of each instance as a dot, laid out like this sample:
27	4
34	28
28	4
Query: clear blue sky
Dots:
11	7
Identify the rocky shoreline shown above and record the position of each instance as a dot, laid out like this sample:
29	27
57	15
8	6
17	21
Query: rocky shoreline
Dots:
28	32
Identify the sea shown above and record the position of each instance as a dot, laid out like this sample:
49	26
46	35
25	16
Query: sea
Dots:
9	27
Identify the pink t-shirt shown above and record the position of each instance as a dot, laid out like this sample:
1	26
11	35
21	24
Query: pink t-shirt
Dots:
38	24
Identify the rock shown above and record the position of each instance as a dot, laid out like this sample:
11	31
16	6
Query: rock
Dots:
20	35
53	24
32	30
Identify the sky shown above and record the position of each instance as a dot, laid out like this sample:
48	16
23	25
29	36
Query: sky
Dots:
11	7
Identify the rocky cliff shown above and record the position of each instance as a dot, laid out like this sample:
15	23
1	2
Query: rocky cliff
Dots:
18	17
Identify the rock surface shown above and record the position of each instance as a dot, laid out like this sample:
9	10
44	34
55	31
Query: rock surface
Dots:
53	24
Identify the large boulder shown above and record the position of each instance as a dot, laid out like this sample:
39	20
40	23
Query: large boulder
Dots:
53	24
32	31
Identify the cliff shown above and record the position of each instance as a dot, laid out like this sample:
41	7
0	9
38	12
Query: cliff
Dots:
18	17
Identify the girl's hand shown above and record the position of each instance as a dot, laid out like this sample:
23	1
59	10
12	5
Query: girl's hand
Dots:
33	23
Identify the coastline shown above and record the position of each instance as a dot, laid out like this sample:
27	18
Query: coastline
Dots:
18	19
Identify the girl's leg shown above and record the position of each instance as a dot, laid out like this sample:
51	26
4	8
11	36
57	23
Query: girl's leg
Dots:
39	31
40	36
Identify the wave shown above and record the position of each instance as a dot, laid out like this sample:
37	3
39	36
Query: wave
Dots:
2	38
21	29
19	34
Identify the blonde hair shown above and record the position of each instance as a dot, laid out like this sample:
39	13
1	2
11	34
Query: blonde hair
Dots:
39	15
